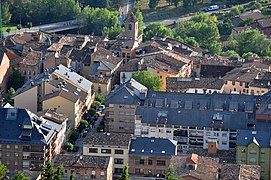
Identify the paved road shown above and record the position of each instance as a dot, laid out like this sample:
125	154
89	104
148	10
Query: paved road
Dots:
44	27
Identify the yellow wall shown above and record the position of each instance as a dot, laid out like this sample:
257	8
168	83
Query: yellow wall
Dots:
62	105
162	75
105	88
27	99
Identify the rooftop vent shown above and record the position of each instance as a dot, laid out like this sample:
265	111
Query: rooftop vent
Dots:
163	152
151	151
152	140
133	150
142	150
253	132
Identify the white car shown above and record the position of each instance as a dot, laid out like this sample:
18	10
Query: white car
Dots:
213	8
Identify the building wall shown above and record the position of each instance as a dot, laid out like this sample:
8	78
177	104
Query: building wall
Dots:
127	75
30	71
27	99
236	87
4	71
162	75
257	90
149	166
201	91
254	155
188	137
64	106
120	118
113	154
102	88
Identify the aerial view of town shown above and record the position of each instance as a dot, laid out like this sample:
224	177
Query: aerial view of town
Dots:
135	90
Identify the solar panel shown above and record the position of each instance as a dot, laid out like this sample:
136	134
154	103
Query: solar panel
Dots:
159	103
188	105
233	106
249	107
218	106
203	105
173	103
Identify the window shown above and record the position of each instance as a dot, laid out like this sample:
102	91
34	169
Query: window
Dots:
161	162
149	162
93	150
233	83
130	27
102	173
262	151
234	89
111	105
118	151
106	151
252	151
241	84
139	162
224	134
15	163
118	161
16	146
8	154
224	142
252	160
16	154
243	150
8	146
118	170
262	160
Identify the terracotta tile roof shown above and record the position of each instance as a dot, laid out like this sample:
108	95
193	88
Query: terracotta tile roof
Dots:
62	93
264	23
254	15
32	58
82	161
11	55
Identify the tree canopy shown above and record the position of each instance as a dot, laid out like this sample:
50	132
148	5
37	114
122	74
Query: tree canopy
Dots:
20	176
3	171
204	30
170	174
16	80
99	21
125	173
153	83
6	15
157	29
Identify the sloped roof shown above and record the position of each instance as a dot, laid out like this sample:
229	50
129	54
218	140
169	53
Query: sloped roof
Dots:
107	139
246	137
145	146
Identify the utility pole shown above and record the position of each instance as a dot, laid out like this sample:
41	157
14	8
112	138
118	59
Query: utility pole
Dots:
1	31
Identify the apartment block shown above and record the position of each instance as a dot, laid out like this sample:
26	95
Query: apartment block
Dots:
108	144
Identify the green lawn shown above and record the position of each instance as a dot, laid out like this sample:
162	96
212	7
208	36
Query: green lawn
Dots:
12	27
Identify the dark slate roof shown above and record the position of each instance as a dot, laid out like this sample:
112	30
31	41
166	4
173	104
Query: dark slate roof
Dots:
145	146
236	111
12	122
126	94
177	84
108	139
246	137
82	161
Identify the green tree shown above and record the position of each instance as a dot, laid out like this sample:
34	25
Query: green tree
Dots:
59	173
139	17
225	28
83	125
230	54
20	176
19	27
68	146
74	136
9	94
170	174
153	4
29	25
100	98
15	80
72	176
157	29
99	21
6	15
176	2
247	55
253	41
8	30
92	112
236	10
232	43
125	173
3	171
97	103
153	83
48	172
191	41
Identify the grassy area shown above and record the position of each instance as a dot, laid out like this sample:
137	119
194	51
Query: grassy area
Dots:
164	11
5	27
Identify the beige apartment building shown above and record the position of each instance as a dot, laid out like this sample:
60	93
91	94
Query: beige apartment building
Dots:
121	106
4	71
86	167
108	144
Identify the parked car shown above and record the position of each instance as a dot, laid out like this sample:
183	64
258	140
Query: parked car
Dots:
213	8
